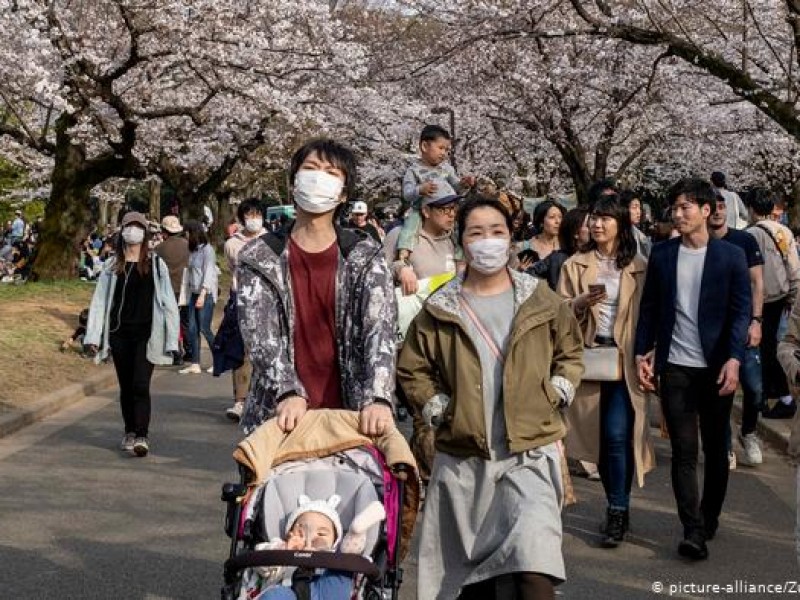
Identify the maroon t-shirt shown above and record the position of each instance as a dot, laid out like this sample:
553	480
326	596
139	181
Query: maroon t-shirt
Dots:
313	276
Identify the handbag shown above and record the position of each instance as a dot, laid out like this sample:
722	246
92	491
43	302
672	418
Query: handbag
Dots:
602	363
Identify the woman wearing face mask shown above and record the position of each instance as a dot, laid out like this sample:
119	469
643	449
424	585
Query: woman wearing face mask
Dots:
491	360
316	306
608	420
134	315
250	214
204	287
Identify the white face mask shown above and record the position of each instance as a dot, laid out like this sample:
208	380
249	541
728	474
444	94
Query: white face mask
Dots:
317	192
253	225
489	255
133	235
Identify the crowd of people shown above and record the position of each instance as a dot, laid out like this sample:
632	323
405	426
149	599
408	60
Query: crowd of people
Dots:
18	249
515	341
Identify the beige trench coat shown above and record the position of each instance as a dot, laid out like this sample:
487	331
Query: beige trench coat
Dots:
583	417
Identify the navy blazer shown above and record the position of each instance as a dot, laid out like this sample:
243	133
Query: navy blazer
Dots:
725	307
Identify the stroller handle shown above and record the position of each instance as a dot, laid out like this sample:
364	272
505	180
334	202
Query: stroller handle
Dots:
351	563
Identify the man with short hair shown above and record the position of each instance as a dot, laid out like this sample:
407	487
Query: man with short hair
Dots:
250	217
750	372
358	220
174	250
316	306
781	282
735	209
434	254
691	337
435	249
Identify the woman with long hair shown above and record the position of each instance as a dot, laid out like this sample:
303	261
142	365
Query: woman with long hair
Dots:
547	218
604	286
134	316
204	287
573	235
493	507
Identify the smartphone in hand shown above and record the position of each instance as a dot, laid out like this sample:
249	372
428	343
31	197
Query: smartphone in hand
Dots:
597	288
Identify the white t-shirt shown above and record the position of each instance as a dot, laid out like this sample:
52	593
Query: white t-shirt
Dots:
609	274
686	349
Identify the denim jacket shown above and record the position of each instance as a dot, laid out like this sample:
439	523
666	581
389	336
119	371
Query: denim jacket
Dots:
366	321
166	322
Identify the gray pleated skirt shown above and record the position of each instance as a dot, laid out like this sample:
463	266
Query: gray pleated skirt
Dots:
485	518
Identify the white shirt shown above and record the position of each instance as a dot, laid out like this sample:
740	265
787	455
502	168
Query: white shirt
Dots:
609	274
686	349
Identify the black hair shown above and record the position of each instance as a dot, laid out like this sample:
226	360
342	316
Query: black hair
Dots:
570	226
628	196
520	234
249	205
699	191
431	133
718	179
610	206
83	317
598	187
541	210
761	201
195	234
335	153
480	202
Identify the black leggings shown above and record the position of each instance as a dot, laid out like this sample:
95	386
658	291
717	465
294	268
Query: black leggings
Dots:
522	586
133	374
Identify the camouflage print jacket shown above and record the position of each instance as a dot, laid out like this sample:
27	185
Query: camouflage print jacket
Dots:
366	316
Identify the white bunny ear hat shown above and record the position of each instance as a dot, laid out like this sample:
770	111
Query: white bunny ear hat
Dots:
325	507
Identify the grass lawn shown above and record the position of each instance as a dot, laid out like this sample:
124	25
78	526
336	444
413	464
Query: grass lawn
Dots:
34	319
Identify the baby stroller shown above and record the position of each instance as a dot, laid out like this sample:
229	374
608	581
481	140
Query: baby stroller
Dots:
324	455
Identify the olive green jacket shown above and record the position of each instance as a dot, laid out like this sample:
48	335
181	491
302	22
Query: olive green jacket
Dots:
543	366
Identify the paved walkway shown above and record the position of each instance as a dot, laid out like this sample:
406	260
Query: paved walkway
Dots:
78	519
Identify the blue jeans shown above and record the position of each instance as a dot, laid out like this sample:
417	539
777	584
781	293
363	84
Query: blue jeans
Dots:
331	585
752	392
616	443
200	322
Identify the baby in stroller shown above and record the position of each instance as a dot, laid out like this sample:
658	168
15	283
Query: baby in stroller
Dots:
323	512
315	525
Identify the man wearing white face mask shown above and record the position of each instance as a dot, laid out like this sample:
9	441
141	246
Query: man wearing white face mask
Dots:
489	361
250	214
316	306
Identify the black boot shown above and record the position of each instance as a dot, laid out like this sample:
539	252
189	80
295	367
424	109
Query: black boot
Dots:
615	527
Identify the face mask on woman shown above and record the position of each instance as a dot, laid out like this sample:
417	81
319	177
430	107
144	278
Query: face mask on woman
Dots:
317	192
489	255
133	235
253	225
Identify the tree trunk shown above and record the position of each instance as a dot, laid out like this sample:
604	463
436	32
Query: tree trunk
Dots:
154	188
66	222
67	217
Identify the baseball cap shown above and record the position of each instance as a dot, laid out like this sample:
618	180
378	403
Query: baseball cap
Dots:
444	194
359	208
171	224
134	217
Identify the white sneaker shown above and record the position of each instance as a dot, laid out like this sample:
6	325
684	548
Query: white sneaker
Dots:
141	447
234	413
126	445
210	369
731	460
194	368
752	449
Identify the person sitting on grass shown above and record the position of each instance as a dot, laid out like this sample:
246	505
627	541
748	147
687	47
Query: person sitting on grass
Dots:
78	334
